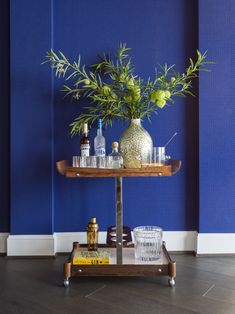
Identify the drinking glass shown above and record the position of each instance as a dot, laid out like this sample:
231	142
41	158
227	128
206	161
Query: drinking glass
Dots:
101	161
109	162
91	161
148	243
75	161
82	161
159	156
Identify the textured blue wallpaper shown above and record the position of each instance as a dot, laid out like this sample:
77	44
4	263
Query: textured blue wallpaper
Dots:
217	116
158	32
38	197
31	119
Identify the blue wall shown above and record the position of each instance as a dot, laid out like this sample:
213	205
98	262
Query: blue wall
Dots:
157	31
89	28
31	119
217	118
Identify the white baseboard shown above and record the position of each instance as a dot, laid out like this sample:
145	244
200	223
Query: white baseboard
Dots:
61	242
64	240
3	242
30	245
175	240
215	243
180	240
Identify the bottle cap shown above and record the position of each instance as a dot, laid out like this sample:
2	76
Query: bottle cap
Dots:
85	128
92	226
99	123
115	145
93	220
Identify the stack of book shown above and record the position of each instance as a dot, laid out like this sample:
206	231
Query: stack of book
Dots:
91	258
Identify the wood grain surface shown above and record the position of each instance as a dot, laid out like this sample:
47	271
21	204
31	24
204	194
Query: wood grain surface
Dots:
157	171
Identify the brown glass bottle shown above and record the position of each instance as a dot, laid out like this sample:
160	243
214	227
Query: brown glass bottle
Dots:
85	142
92	235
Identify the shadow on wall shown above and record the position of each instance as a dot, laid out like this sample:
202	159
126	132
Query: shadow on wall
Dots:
4	117
192	123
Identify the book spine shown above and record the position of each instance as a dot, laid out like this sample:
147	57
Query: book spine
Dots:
90	261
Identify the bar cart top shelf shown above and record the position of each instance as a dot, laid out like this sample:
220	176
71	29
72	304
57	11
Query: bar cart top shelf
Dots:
171	168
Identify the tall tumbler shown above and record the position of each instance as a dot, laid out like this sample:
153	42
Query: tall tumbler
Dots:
159	156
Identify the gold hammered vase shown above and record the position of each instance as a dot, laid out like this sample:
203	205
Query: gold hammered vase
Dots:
136	145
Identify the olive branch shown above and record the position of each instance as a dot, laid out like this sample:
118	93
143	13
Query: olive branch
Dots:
115	92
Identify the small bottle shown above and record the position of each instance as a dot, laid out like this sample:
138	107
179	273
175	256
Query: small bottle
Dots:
99	141
117	161
92	235
85	142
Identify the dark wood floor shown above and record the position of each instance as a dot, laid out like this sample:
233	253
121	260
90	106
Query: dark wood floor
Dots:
203	285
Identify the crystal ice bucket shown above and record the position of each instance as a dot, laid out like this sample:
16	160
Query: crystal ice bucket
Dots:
148	243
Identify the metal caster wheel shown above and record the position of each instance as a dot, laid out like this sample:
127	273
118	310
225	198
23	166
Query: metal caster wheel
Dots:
171	282
66	282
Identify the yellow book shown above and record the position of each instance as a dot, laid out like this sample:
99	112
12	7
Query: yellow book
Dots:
91	258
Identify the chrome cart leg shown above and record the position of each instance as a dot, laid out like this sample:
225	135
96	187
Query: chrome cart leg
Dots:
171	282
66	282
119	219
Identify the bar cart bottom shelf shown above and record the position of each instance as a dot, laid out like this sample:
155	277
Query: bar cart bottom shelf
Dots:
130	267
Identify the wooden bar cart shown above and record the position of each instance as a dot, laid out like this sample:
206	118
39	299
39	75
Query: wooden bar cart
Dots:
122	260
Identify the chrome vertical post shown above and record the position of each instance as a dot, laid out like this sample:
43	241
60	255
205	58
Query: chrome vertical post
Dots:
119	219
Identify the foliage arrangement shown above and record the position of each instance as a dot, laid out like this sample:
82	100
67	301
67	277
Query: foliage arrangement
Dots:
115	92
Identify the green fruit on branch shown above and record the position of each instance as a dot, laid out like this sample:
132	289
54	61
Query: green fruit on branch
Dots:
136	97
128	98
114	96
153	96
167	94
160	95
130	84
122	78
161	103
106	90
87	82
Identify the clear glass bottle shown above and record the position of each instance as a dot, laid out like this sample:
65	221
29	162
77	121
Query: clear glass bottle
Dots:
92	235
117	160
99	141
85	142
